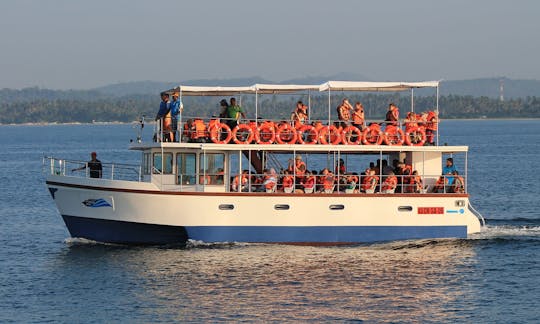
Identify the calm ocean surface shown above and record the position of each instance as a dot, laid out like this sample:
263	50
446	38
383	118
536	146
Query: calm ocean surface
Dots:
492	277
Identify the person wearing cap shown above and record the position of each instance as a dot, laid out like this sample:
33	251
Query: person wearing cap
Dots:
94	165
344	113
299	115
176	109
164	117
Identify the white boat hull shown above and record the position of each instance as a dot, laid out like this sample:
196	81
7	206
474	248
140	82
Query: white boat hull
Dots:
139	213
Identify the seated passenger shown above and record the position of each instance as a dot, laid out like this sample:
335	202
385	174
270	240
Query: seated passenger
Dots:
327	179
241	182
204	178
369	183
309	182
414	183
440	185
389	184
288	181
459	184
392	115
219	176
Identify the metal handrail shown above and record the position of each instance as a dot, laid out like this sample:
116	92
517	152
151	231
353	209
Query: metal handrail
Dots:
111	171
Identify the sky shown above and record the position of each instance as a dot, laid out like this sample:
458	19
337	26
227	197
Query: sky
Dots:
76	44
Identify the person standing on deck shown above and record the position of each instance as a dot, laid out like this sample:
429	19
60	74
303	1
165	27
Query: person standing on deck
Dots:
176	109
234	112
96	170
392	115
344	113
164	118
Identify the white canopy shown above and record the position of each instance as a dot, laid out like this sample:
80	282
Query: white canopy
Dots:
283	88
210	91
293	88
375	86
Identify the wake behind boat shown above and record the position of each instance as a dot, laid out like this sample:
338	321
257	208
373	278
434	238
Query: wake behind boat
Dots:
298	181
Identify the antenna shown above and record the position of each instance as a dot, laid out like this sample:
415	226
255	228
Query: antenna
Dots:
501	90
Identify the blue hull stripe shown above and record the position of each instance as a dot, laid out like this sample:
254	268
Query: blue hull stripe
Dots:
137	233
321	234
108	231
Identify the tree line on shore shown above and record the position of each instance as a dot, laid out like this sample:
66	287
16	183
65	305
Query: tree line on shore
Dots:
131	108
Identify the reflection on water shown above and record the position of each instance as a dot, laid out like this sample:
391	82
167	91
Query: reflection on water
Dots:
421	280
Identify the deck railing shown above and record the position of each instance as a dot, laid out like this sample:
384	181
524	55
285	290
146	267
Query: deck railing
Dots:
111	171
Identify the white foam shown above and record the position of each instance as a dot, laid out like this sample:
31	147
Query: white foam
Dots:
506	231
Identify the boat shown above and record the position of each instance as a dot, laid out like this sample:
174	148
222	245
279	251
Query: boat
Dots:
206	186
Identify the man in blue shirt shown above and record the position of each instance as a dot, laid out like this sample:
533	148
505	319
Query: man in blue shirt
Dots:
176	109
449	169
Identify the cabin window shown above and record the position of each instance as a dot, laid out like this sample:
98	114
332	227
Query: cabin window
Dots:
185	168
163	164
211	168
147	163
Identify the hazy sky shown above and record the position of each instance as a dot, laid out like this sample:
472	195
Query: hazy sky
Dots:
70	44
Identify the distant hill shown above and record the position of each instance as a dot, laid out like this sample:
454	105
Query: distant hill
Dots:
488	87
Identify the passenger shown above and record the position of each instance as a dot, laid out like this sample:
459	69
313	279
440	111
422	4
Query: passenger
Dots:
299	115
389	184
327	181
352	182
448	170
440	185
340	168
176	109
309	182
269	182
459	183
198	131
298	168
96	170
164	117
234	112
204	178
431	127
358	117
414	183
288	181
240	182
220	176
392	115
370	181
344	113
224	108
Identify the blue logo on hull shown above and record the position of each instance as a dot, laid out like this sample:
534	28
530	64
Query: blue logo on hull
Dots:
96	203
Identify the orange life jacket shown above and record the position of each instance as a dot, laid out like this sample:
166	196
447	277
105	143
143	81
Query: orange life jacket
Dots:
199	129
309	182
389	183
370	182
328	181
287	181
358	117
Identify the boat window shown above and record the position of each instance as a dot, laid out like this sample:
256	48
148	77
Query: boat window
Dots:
186	168
337	207
211	168
163	165
147	163
281	207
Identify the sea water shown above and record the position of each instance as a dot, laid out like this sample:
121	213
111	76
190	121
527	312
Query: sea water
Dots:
493	276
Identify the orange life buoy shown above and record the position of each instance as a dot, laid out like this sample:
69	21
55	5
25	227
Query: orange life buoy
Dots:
373	135
393	136
286	134
265	134
310	133
242	129
330	135
415	137
347	135
218	130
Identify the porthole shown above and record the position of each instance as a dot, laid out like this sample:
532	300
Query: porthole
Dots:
281	207
226	207
337	207
405	208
